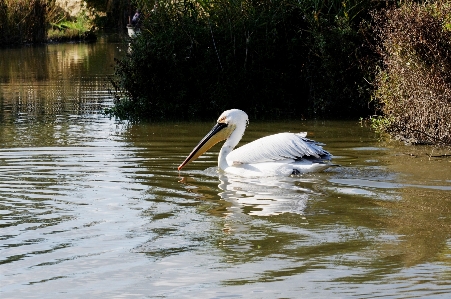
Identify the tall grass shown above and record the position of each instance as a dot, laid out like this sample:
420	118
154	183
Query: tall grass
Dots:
64	27
22	21
272	58
35	21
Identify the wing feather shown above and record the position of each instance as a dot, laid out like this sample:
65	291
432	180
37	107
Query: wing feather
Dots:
278	147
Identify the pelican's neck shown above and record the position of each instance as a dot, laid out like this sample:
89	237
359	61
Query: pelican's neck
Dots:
230	144
222	161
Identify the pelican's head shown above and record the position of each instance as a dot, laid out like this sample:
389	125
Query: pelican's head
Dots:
230	121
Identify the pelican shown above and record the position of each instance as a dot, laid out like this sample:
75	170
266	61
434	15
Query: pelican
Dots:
279	154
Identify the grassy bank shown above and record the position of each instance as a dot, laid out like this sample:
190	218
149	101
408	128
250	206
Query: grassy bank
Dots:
35	21
274	59
78	26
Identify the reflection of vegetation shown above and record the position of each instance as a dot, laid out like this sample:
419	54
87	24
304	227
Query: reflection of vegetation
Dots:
422	223
55	79
377	236
421	217
365	237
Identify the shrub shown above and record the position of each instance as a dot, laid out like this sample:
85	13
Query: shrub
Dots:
22	21
279	58
414	85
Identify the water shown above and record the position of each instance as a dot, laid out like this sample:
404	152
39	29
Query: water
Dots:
91	207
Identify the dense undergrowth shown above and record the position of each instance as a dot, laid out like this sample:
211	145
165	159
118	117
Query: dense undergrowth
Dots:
37	21
289	58
22	21
273	59
414	85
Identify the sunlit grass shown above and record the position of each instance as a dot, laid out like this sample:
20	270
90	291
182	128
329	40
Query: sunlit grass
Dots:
34	21
81	27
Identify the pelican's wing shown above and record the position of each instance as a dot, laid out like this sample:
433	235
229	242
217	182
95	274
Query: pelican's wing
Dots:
277	147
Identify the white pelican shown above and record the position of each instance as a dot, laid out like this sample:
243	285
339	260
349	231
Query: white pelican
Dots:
279	154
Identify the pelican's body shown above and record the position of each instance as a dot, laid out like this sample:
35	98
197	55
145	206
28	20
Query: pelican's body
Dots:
279	154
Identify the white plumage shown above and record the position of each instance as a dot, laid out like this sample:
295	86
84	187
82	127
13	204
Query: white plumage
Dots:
279	154
277	147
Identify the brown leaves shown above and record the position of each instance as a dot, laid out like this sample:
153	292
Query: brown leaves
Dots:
415	85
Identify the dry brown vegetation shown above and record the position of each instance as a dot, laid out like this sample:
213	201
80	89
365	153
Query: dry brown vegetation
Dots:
414	85
22	21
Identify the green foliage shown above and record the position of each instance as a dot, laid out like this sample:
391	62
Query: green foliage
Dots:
82	26
379	123
279	58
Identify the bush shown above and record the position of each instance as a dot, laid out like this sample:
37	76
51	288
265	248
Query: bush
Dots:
279	58
22	21
414	85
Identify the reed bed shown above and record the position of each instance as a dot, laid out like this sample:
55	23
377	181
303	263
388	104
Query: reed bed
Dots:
22	21
36	21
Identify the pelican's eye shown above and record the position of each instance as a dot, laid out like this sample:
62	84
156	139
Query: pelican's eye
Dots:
222	119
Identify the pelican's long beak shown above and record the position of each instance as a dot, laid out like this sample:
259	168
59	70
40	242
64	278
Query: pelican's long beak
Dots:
217	134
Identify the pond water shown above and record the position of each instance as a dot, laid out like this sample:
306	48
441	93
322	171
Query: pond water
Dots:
90	206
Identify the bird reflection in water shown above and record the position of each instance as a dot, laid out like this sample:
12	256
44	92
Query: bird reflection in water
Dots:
258	196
